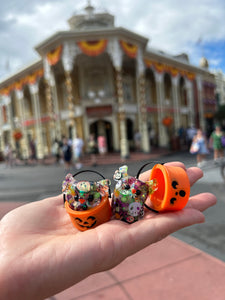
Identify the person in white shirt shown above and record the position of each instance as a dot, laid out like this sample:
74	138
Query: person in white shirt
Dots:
77	151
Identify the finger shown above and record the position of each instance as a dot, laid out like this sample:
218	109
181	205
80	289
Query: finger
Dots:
202	201
194	174
145	175
55	201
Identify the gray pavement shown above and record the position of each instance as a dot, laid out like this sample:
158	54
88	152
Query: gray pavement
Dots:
32	183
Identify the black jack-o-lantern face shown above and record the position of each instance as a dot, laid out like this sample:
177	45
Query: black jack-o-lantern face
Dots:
86	223
178	192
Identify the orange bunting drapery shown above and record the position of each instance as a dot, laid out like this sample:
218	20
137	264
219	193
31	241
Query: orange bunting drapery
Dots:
32	78
160	68
6	91
190	76
54	56
173	71
92	48
129	49
18	85
148	63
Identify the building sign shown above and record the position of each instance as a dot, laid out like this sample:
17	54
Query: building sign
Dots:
99	111
32	122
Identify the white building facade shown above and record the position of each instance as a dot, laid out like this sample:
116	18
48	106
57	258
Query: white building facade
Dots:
101	79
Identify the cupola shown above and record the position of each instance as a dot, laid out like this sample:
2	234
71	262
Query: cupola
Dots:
91	19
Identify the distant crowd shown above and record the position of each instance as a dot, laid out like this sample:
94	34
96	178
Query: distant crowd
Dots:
69	152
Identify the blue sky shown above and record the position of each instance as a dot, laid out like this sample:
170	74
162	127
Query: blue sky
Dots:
215	50
173	26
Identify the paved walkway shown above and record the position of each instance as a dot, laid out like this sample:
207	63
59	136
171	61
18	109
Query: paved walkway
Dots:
107	159
170	269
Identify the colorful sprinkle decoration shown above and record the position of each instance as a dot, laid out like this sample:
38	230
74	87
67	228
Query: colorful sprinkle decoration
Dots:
130	195
83	195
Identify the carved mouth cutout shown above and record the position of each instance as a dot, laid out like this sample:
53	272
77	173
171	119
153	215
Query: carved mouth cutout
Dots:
87	223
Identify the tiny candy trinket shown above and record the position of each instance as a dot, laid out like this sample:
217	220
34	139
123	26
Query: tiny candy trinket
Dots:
168	189
129	196
86	202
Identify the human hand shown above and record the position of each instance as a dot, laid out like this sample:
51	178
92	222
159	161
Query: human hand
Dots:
41	253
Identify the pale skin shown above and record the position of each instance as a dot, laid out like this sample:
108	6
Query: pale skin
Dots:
41	253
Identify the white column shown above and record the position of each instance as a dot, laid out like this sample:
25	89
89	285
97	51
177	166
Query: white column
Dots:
163	136
141	101
177	122
190	98
48	95
38	127
116	54
115	130
68	56
8	102
24	140
200	103
56	116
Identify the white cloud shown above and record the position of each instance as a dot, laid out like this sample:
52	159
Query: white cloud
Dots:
173	26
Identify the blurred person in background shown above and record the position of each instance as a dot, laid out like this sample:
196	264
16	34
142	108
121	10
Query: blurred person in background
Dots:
201	142
216	140
67	154
77	151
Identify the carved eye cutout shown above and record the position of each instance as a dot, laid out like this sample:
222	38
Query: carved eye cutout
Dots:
174	184
182	193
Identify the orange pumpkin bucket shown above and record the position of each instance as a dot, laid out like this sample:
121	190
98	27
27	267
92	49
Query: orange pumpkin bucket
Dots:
173	188
87	202
91	218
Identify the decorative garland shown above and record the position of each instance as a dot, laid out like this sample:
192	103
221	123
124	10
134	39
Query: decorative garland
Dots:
54	56
18	85
129	49
32	78
6	91
92	48
160	68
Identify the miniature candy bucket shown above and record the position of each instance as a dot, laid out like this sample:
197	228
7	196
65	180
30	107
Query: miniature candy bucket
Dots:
87	202
173	188
91	218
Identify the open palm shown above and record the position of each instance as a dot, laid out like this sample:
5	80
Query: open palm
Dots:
41	253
